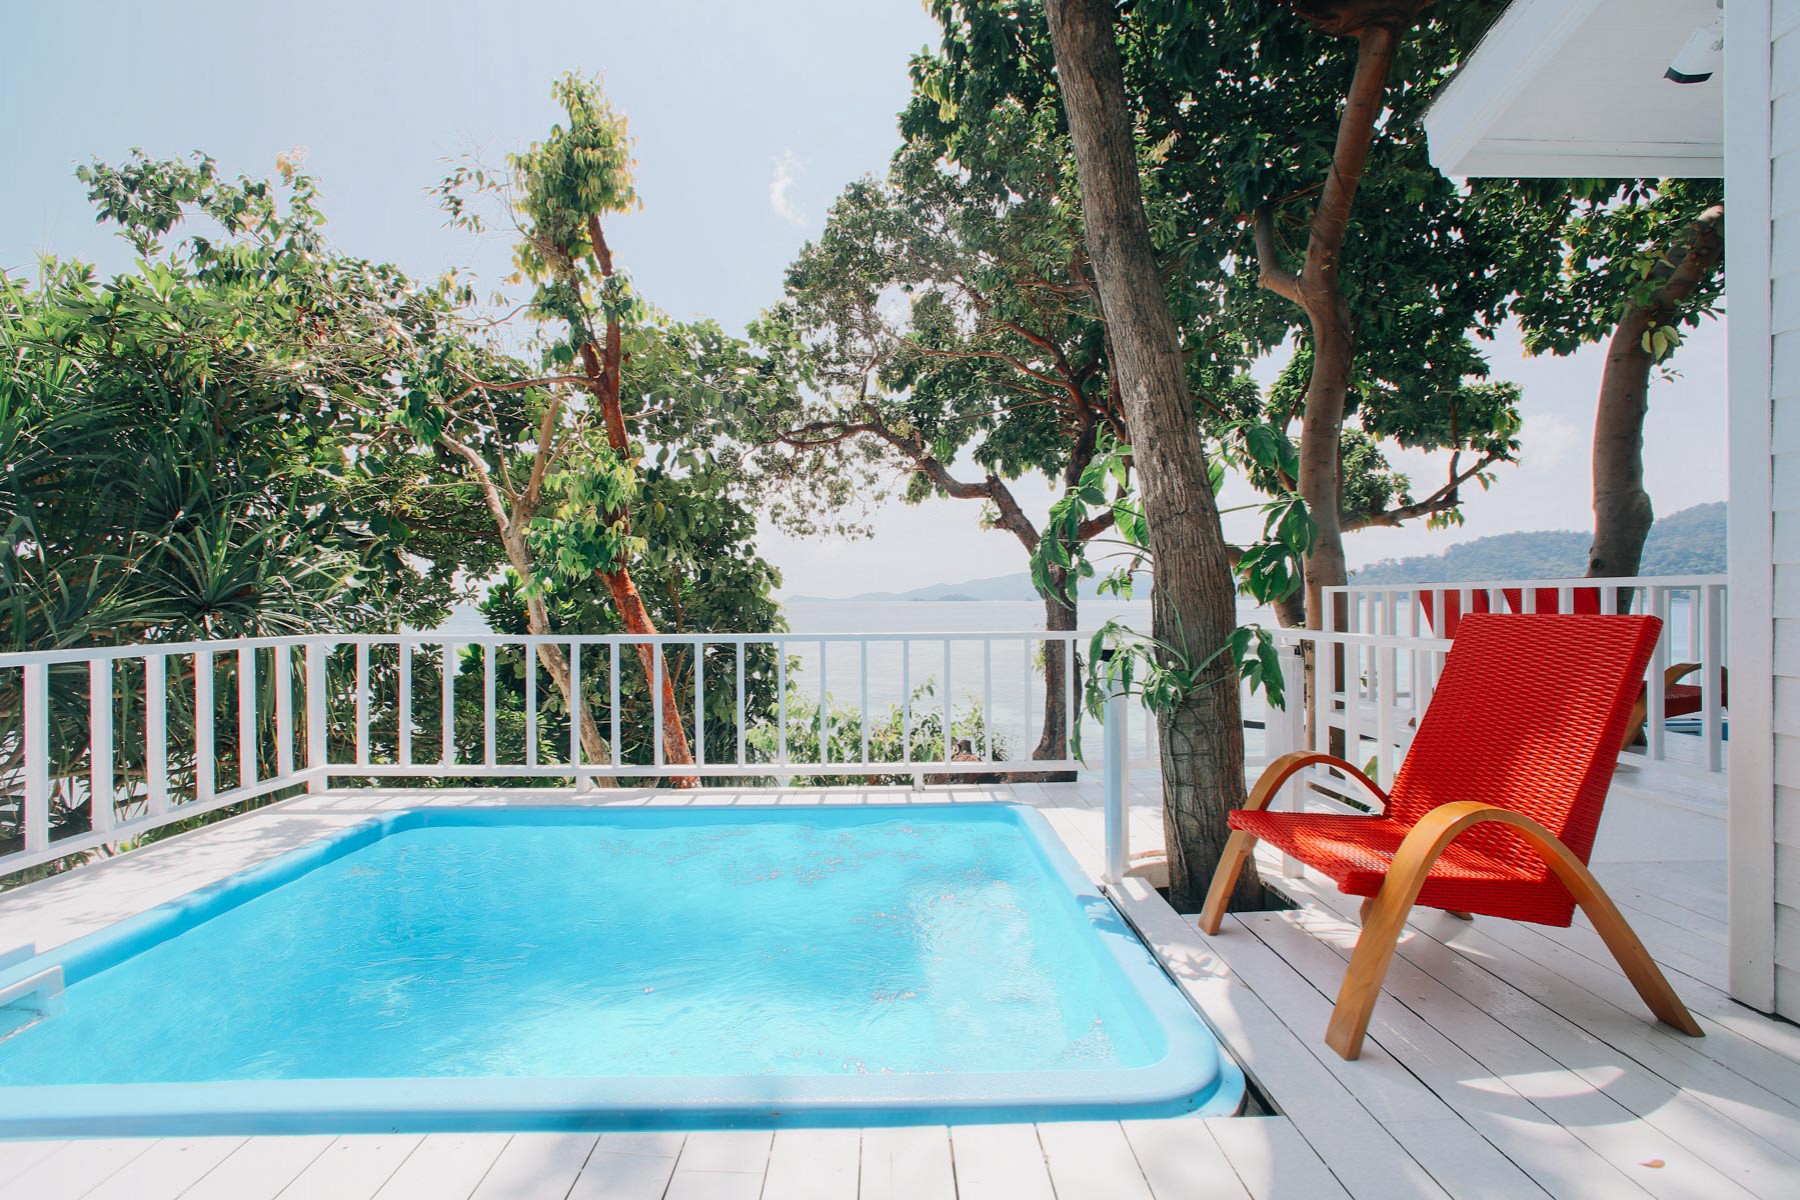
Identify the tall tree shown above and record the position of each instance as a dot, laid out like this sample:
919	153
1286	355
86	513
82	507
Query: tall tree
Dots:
1239	107
948	316
1193	598
616	369
1635	264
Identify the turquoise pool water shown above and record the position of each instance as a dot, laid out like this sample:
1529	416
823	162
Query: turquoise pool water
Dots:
622	967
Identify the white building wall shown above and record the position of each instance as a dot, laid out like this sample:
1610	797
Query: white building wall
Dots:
1763	227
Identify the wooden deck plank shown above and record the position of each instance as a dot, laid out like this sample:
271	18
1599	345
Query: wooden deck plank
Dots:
260	1168
721	1164
1181	1160
444	1165
612	1175
354	1167
167	1169
1091	1160
1000	1160
1467	1004
907	1163
1332	1117
536	1166
1275	1162
74	1169
1463	1140
1578	1139
814	1164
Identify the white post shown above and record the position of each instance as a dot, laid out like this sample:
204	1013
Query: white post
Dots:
37	757
100	746
1292	722
205	762
1118	849
316	743
156	733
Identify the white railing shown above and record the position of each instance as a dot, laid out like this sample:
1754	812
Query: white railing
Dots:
1383	647
98	746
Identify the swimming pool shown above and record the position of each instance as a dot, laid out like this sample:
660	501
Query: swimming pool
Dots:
619	968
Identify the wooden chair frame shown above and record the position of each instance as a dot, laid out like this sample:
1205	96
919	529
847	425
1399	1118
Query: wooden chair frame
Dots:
1385	916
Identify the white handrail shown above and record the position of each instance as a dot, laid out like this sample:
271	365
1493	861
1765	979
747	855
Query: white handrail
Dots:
164	731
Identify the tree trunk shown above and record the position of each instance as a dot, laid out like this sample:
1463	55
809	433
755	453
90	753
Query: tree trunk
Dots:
637	620
1054	741
537	620
1193	600
1622	510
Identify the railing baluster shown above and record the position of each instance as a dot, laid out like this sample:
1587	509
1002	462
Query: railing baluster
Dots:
203	726
449	717
987	699
404	716
284	711
531	704
614	693
863	676
156	733
318	743
489	740
1071	709
1655	702
1025	689
781	756
246	722
101	814
575	706
656	701
740	704
824	717
905	700
699	702
949	751
362	703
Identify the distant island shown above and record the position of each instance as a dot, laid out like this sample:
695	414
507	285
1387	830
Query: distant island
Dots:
998	587
1689	542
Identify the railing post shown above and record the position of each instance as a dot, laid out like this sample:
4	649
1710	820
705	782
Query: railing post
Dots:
316	743
1293	726
205	759
1118	849
37	757
101	815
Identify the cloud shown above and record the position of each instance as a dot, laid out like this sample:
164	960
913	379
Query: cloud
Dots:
781	189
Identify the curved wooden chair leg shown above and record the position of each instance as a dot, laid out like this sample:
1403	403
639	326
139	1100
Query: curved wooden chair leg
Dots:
1240	844
1386	918
1231	865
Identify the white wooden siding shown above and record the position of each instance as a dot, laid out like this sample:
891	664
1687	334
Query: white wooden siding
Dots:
1766	545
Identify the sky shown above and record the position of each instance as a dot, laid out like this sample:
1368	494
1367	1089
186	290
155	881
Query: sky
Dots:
749	118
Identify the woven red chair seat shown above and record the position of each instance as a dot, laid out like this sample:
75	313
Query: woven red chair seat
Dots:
1529	714
1357	851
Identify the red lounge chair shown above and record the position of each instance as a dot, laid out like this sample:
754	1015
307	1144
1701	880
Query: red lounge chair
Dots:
1494	808
1549	600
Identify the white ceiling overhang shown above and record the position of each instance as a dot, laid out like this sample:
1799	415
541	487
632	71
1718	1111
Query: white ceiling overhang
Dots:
1575	89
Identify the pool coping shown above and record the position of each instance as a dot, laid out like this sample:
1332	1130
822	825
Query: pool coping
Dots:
627	1102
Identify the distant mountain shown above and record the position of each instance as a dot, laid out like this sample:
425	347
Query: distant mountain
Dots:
997	587
1689	542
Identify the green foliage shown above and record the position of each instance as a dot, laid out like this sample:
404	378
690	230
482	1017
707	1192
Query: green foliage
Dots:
1583	251
1237	103
1124	662
888	736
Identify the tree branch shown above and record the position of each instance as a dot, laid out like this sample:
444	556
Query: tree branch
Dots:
1272	275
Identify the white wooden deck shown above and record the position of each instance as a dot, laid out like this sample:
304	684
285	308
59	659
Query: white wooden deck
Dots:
1505	1060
